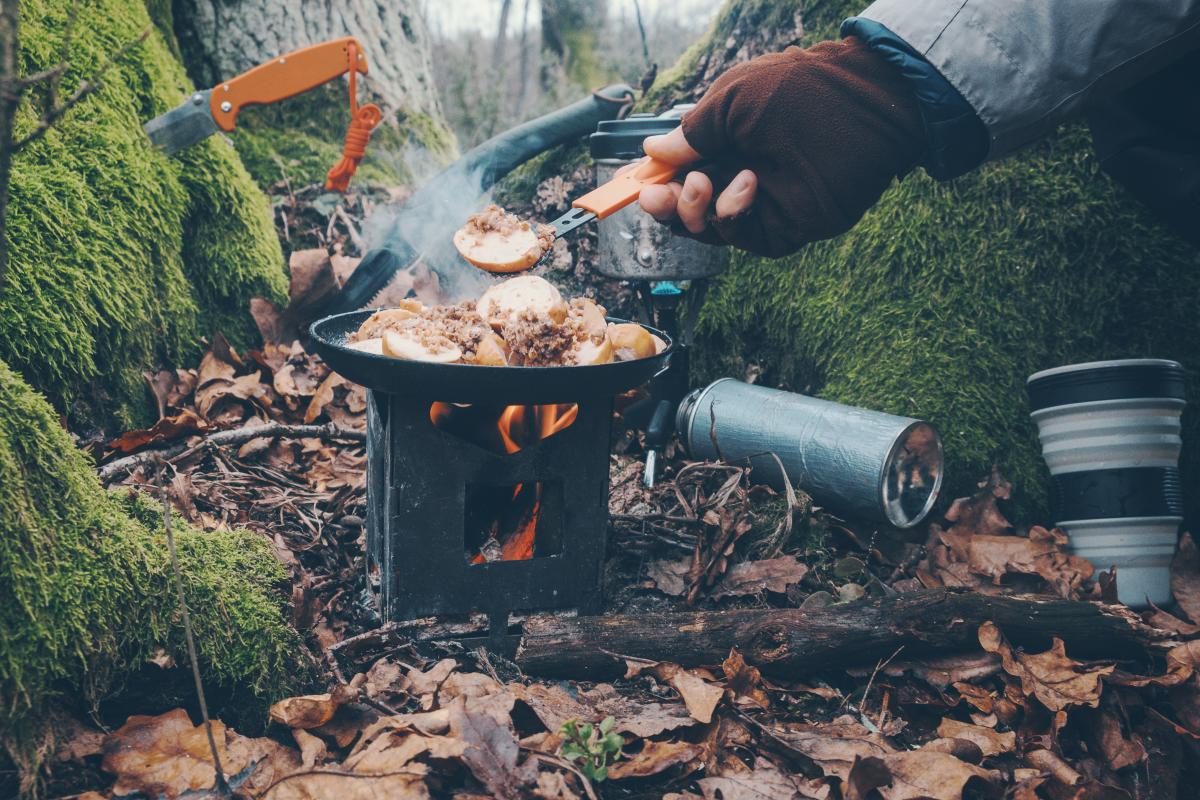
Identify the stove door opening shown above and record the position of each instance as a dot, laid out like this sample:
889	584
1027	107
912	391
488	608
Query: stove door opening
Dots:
512	523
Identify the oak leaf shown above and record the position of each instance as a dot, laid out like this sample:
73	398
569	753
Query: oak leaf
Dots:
1057	681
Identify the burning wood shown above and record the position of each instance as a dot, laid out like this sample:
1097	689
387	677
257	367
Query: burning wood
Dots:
502	521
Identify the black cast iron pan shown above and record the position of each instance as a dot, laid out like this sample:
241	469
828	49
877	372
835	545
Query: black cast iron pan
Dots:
471	383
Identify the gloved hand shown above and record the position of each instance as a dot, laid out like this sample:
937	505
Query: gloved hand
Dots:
800	144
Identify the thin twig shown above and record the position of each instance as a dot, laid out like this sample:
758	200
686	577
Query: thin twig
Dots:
867	691
637	10
63	56
220	786
54	113
272	430
355	237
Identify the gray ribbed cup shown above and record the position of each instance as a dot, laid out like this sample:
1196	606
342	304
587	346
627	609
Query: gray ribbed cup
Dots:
1110	433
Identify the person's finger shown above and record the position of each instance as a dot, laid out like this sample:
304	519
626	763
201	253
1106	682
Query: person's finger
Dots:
671	147
660	201
738	196
692	206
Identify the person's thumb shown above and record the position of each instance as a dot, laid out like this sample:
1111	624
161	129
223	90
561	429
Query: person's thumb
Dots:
672	148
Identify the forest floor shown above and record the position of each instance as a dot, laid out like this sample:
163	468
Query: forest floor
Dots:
433	714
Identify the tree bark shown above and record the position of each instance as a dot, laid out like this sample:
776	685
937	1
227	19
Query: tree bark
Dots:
790	642
222	38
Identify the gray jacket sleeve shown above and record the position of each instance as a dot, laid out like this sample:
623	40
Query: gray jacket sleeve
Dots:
1026	65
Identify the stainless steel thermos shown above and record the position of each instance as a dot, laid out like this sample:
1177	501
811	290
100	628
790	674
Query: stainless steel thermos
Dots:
852	460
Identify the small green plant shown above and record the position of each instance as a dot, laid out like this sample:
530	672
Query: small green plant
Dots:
592	747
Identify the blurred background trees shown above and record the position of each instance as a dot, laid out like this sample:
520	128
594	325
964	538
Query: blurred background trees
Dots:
499	62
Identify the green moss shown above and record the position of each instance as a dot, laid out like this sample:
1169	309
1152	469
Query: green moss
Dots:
121	257
88	592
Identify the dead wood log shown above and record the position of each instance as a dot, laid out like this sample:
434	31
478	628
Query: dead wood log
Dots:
788	642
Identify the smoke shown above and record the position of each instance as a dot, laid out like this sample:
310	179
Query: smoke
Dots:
425	224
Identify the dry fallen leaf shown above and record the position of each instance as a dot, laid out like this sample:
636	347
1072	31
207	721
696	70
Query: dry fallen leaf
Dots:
700	696
1120	750
917	775
764	782
1057	681
553	705
990	742
1185	578
656	757
308	711
348	786
165	756
755	577
167	429
744	680
491	751
834	746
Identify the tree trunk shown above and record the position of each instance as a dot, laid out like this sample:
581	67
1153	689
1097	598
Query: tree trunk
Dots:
501	39
788	642
569	32
9	97
222	38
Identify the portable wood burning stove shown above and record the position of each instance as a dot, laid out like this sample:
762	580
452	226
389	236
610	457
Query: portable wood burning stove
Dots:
487	487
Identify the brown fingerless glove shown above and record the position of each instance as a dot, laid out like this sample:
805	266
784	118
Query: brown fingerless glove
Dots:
826	129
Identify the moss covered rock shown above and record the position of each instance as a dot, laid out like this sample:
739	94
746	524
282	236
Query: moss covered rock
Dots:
122	257
88	591
947	296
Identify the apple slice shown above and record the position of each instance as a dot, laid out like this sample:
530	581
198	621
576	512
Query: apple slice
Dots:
630	341
491	352
407	346
587	352
506	301
374	345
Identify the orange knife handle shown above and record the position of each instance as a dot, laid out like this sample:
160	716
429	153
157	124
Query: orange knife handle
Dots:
623	189
283	77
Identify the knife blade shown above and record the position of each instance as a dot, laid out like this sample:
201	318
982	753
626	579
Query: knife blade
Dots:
184	126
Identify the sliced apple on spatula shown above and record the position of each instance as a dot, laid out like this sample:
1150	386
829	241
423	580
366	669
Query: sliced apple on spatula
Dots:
497	241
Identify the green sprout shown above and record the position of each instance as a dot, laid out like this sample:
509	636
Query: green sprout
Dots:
593	747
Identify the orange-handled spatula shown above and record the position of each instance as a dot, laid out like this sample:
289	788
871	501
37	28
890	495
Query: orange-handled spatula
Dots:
611	197
519	250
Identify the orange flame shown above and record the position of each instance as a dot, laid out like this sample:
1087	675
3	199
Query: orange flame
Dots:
515	428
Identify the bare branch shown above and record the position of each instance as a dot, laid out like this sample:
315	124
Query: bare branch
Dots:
274	430
221	786
53	114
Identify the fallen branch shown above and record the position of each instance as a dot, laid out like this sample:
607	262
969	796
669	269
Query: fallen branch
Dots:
789	642
271	430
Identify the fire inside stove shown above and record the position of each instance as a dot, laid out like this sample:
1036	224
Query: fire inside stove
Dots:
507	522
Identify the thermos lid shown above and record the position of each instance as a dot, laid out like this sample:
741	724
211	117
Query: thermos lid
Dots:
622	138
1106	380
